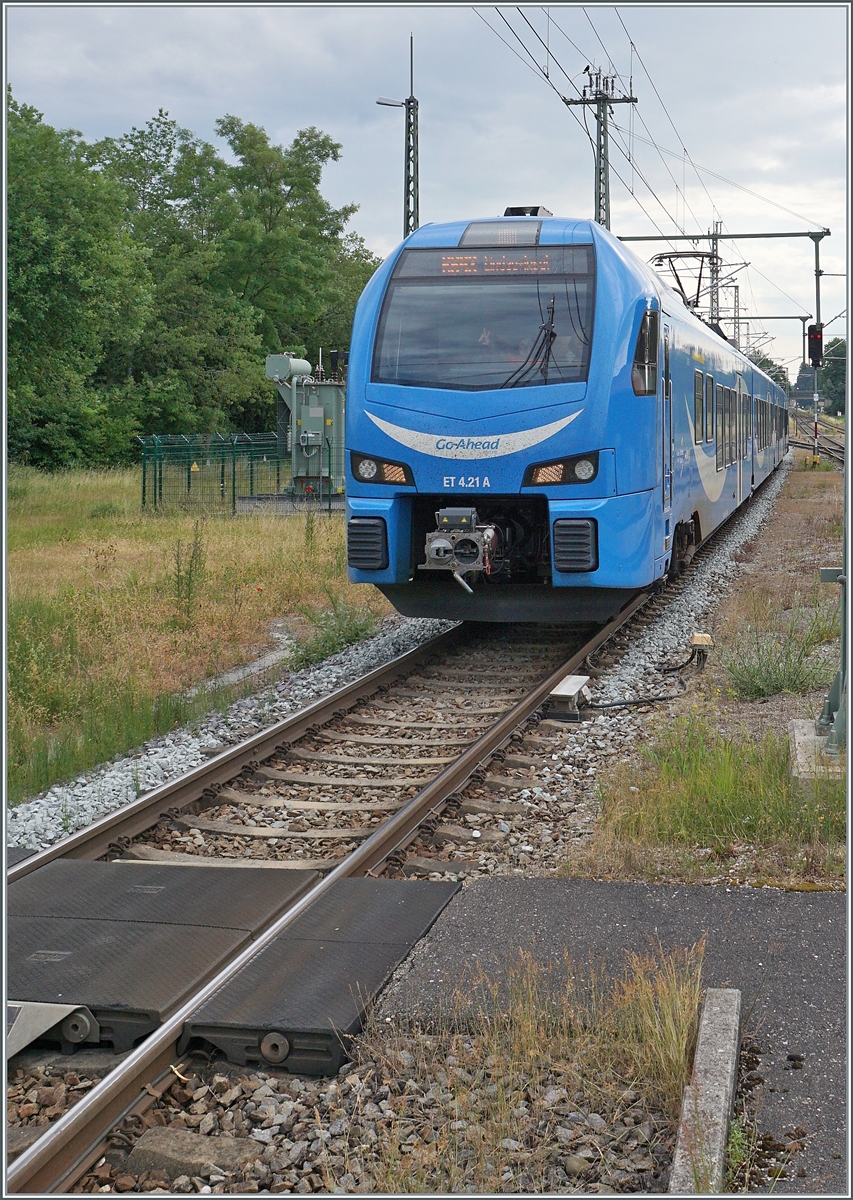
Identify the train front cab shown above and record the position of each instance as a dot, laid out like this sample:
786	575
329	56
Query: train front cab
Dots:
603	537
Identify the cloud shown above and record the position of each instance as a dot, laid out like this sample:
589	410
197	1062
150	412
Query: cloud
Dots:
491	132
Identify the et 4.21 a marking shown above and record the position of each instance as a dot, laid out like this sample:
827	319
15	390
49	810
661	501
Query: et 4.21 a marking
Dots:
466	481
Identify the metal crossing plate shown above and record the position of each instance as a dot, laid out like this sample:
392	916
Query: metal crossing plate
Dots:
301	998
130	942
129	974
16	854
221	897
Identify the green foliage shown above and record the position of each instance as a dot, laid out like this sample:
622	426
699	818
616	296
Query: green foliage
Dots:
187	576
149	277
773	656
778	372
699	788
78	290
332	630
832	380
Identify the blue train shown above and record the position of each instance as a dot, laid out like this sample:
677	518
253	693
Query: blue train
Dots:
537	426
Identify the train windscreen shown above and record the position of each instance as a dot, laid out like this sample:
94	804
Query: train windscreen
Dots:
471	320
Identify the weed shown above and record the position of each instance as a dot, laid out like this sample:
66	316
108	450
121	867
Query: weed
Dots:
498	1047
187	576
310	533
332	630
98	658
737	1150
65	818
101	511
773	650
696	787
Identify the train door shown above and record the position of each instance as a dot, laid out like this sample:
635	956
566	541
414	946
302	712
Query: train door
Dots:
666	441
740	436
752	411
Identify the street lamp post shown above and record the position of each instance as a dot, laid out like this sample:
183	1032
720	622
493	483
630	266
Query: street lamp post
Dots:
411	198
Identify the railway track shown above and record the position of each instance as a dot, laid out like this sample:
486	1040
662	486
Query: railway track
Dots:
413	769
832	446
413	734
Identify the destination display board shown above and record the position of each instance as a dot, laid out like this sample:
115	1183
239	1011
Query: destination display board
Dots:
533	260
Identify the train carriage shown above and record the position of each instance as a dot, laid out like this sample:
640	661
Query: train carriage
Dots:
537	426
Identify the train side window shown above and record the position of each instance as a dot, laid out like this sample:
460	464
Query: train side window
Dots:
733	430
644	372
747	425
709	408
727	417
720	451
698	406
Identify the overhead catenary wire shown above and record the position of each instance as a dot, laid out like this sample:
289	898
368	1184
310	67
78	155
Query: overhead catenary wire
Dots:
660	101
538	70
613	126
535	68
617	141
716	175
683	189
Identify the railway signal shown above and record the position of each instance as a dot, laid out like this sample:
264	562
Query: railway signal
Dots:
815	345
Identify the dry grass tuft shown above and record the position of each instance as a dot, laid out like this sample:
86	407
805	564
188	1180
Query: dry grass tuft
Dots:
484	1097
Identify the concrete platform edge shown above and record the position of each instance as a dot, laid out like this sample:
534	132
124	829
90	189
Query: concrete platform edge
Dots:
699	1164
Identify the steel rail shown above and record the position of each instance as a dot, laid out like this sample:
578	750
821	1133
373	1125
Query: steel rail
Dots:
49	1164
132	819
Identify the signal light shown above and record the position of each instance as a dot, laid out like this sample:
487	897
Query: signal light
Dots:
815	345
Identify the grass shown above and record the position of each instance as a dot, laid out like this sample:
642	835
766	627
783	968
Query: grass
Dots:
698	804
773	649
332	630
612	1047
114	613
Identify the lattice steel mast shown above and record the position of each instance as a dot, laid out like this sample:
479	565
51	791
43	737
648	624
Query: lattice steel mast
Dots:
600	92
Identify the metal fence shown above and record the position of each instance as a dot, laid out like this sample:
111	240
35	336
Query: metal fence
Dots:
235	473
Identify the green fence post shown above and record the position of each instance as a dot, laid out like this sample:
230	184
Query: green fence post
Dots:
144	470
234	475
329	445
159	461
251	469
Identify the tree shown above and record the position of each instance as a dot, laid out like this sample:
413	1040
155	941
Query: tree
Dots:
149	278
832	379
78	290
350	269
281	246
777	371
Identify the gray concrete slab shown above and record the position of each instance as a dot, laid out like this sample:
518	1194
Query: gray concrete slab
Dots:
785	952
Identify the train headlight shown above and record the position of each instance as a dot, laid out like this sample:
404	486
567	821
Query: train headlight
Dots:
582	468
585	470
378	470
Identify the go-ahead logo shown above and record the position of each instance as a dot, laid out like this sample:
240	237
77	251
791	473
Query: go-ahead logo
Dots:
492	446
467	444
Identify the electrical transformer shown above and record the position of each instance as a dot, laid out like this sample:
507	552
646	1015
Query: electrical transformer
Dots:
311	422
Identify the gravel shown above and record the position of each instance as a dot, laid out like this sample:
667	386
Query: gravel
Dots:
331	1135
561	801
64	808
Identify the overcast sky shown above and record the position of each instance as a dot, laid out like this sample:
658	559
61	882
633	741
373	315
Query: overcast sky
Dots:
755	93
